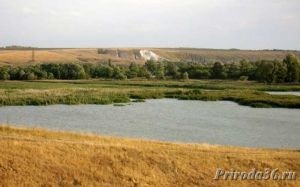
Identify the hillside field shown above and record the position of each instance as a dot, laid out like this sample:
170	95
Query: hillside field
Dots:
128	55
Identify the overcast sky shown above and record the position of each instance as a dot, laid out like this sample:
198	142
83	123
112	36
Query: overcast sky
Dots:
245	24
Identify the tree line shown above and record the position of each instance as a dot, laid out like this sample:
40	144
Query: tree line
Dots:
269	71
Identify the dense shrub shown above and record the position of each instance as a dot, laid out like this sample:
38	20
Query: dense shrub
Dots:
273	71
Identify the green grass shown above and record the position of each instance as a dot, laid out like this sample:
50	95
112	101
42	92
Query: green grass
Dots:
192	84
110	91
243	97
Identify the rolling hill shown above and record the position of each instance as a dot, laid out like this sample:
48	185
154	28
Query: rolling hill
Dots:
21	56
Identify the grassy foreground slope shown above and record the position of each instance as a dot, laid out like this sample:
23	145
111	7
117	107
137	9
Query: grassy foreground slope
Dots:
34	157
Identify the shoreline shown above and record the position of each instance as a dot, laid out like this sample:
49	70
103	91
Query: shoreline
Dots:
91	135
62	158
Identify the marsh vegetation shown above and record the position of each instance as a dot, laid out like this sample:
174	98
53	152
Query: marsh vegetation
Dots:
122	91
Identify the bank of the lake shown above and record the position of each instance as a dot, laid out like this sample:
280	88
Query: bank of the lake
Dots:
34	157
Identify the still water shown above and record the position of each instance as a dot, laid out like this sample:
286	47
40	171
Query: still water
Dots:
220	122
297	93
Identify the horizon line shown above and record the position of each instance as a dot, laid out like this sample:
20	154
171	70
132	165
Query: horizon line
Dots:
150	47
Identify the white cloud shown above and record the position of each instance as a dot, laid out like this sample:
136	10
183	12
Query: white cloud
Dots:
194	23
27	10
75	13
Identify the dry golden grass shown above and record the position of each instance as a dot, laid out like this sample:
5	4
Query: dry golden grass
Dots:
34	157
213	55
21	57
25	57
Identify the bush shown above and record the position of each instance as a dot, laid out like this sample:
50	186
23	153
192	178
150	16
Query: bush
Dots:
185	76
50	76
4	73
273	71
31	76
243	78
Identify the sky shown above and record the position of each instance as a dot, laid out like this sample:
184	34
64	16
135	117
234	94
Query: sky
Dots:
243	24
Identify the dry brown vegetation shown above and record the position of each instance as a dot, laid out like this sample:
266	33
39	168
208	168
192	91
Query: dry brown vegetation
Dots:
35	157
213	55
22	57
127	55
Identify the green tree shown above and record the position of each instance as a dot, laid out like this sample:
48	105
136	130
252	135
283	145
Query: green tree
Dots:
160	73
118	74
21	74
279	71
293	68
88	69
55	69
246	68
143	72
265	72
4	73
233	71
218	71
104	71
31	76
199	72
50	76
172	70
133	70
151	66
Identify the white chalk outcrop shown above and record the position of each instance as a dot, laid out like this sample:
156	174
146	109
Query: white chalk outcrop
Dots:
149	55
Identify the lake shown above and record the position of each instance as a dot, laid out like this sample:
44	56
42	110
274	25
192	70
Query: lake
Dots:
297	93
219	122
